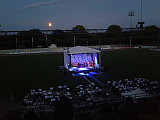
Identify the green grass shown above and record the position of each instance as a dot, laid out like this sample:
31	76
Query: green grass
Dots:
22	73
132	63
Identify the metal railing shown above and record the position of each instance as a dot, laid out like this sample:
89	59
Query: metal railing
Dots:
30	51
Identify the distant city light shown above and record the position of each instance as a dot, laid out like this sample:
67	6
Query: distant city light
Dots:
49	24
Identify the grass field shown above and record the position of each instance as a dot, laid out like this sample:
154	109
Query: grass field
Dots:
132	63
22	73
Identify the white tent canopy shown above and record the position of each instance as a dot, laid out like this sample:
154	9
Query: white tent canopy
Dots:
80	49
80	54
138	93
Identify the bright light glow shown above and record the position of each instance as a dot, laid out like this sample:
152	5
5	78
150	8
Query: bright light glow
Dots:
95	60
72	68
82	68
81	74
49	24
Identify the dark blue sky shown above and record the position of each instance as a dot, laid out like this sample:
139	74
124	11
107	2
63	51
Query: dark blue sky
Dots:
65	14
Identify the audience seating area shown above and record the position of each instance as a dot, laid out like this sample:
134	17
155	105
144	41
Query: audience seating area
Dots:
84	97
126	85
39	100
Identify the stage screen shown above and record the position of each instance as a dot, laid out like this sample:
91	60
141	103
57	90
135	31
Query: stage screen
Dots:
81	58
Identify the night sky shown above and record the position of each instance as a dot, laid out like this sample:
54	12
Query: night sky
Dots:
65	14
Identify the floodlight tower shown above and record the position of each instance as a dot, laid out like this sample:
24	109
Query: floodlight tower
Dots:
131	13
141	23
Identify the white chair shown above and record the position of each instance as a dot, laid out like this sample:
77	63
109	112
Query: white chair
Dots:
51	96
60	87
53	100
44	91
33	90
88	99
80	95
120	89
51	88
56	96
68	93
90	103
155	87
40	89
100	90
70	98
77	87
80	85
49	93
46	97
114	81
81	91
117	86
109	82
89	92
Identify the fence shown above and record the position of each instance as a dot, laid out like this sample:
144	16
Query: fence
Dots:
30	51
138	96
61	49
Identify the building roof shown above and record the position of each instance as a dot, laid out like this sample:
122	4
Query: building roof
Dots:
80	49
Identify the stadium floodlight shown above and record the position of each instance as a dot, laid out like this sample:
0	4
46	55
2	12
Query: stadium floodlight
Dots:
141	23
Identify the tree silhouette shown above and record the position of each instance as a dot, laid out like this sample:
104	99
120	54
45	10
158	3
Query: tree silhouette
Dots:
79	28
114	31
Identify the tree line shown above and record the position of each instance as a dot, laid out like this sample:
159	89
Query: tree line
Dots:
114	35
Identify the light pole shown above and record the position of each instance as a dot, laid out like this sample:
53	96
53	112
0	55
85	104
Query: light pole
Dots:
32	42
141	10
46	40
99	42
16	42
131	13
130	42
141	23
74	41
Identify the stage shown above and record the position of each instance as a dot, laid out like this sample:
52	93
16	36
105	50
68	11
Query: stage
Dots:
80	69
81	60
75	71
